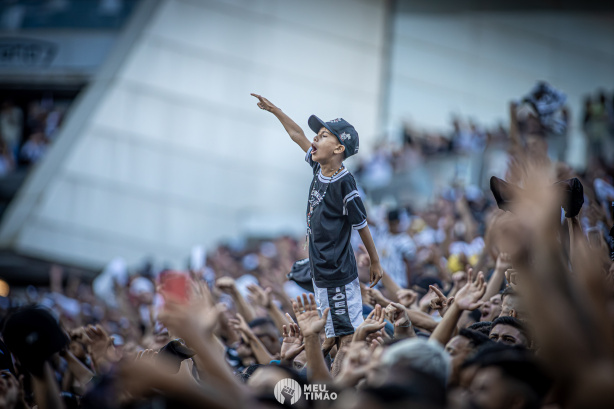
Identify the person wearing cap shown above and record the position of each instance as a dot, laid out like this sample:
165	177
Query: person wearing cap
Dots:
334	208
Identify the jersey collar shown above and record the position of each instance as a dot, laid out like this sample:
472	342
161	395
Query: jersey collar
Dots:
325	179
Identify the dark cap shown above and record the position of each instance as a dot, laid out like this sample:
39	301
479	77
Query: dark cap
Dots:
33	335
301	274
345	133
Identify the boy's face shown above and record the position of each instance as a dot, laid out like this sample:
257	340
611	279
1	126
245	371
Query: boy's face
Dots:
325	145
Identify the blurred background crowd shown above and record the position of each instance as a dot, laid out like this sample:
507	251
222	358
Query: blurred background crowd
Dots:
495	236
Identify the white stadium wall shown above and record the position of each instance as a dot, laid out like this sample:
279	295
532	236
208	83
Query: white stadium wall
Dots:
473	63
166	148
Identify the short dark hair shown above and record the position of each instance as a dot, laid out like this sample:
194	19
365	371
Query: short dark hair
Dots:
483	327
518	364
475	337
513	322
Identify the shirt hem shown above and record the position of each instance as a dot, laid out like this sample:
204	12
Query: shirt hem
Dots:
336	283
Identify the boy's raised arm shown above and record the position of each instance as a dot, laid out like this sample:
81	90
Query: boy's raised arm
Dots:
295	131
375	271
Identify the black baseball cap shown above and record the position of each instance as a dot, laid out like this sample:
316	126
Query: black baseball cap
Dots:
301	274
33	335
345	133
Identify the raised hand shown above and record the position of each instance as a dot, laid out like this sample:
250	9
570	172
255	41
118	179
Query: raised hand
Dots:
357	363
425	301
468	297
201	292
306	312
226	284
292	344
98	341
511	276
407	297
373	322
184	321
504	262
440	302
264	103
459	279
375	296
260	296
240	325
397	314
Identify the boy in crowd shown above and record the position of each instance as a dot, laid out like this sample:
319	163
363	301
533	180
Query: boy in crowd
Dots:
334	207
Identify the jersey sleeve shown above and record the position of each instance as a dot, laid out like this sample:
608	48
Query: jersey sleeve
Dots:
353	207
314	165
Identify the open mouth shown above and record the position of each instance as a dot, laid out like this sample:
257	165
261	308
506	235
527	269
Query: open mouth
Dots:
314	149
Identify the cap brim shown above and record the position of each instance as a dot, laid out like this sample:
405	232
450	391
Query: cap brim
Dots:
316	124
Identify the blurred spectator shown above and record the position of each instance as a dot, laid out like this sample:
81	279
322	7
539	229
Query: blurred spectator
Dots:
11	125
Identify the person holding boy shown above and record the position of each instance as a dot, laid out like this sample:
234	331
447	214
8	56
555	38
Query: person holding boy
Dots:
334	208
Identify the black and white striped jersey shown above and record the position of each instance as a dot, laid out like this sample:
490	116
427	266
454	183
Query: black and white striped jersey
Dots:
331	222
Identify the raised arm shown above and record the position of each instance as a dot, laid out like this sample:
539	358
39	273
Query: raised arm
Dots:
295	131
497	277
467	299
376	271
228	285
311	324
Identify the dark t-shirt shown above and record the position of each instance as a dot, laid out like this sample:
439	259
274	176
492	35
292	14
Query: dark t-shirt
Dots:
330	253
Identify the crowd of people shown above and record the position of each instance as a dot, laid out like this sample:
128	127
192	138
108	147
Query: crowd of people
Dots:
501	299
468	137
25	138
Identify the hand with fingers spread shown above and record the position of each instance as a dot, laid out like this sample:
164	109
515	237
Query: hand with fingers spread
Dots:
292	344
374	322
191	321
264	103
99	343
306	312
260	296
440	302
468	297
201	292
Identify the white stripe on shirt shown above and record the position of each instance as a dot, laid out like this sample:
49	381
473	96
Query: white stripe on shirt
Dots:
360	226
351	196
325	179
